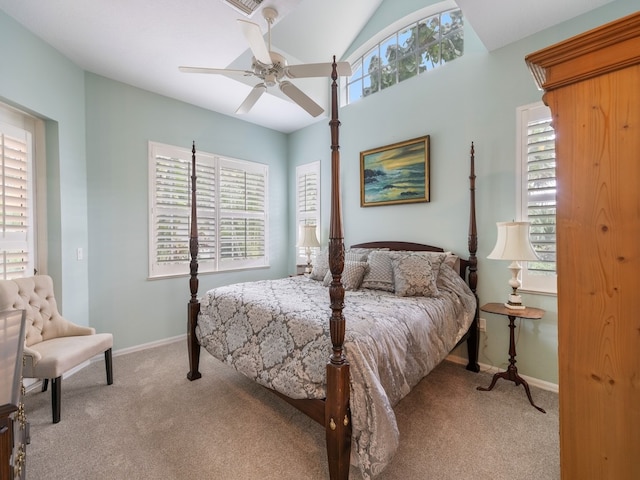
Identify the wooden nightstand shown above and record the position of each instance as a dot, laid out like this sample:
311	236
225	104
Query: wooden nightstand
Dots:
512	372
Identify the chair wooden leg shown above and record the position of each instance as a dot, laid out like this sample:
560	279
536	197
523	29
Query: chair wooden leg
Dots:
45	383
56	389
108	361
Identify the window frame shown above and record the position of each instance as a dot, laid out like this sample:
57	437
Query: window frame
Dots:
211	203
242	262
364	80
309	217
26	130
531	282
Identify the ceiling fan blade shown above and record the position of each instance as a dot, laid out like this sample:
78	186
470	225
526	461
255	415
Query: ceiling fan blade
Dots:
317	70
252	98
253	34
298	96
221	71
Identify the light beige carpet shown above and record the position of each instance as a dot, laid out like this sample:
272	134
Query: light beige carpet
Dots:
153	423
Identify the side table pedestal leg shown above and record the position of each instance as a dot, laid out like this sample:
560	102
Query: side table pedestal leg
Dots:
511	373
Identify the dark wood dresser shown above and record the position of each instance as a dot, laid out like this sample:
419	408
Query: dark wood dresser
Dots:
14	429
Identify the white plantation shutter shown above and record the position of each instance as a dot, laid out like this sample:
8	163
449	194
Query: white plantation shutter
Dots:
541	194
231	211
16	218
171	210
538	196
243	214
307	203
206	212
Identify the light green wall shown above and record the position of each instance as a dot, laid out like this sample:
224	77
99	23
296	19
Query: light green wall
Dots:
471	99
97	134
97	197
36	78
121	120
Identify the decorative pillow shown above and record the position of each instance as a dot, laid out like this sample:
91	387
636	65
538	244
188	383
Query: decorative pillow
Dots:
363	252
445	274
351	275
453	261
320	265
415	274
379	276
355	255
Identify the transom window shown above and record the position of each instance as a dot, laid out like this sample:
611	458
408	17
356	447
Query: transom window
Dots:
415	48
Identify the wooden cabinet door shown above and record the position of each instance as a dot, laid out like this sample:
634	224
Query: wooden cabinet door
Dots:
597	124
592	86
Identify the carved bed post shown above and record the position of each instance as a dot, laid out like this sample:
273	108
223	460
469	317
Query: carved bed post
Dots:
473	341
337	415
193	307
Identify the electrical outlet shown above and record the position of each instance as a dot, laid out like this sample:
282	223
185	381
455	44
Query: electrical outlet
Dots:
482	324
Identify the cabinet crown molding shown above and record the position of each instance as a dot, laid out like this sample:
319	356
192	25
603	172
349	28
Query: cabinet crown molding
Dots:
609	47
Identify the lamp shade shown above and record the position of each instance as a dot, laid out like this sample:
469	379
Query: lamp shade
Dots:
308	237
513	242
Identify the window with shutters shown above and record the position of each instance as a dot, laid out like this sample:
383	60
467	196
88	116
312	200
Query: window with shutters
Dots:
17	254
242	214
537	194
307	203
231	210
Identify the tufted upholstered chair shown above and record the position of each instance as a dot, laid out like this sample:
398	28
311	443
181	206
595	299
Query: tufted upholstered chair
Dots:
53	345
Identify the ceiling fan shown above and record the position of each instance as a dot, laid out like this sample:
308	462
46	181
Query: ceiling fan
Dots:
272	69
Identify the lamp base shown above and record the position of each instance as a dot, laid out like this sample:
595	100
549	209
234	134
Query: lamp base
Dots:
511	306
309	268
515	302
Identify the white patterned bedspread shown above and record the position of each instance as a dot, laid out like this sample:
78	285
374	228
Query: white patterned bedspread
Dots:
277	333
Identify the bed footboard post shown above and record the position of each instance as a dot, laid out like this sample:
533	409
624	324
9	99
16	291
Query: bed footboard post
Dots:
336	414
192	342
338	421
193	307
473	342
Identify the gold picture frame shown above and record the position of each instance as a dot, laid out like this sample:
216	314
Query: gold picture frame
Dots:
395	174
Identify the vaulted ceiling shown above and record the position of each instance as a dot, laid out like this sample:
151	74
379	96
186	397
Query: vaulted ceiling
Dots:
142	42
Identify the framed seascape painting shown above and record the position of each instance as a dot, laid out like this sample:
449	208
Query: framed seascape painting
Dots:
397	173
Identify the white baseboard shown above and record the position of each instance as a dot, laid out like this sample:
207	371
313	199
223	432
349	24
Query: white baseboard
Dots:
145	346
33	383
534	382
30	384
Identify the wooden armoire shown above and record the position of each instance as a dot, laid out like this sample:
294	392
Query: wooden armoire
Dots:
591	84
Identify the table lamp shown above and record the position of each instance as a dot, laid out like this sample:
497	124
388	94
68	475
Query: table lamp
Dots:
309	241
513	244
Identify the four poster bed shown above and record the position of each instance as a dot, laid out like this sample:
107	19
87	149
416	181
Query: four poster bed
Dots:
346	378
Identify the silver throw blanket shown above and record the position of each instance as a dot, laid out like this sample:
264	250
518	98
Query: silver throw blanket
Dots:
277	333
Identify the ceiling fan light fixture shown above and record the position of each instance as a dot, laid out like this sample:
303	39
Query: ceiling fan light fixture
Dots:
246	7
270	79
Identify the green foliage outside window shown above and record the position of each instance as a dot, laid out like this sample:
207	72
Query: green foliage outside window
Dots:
416	48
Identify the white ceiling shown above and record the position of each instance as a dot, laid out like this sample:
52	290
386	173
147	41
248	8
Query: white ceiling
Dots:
142	42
